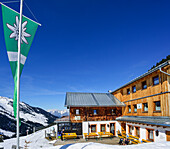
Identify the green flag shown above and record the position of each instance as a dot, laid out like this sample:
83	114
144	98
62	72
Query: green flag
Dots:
11	32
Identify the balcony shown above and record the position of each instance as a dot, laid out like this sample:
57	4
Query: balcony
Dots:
100	118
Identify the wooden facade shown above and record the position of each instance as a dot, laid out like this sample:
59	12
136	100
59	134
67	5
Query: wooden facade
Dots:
136	94
101	113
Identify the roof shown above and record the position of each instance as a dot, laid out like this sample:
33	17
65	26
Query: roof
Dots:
151	120
75	99
145	74
63	119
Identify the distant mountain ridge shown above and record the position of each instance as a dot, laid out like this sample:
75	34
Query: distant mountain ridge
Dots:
30	117
59	113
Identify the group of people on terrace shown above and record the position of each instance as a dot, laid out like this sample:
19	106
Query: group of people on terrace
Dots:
124	141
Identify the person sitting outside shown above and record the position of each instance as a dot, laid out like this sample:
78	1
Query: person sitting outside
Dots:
62	132
126	141
121	141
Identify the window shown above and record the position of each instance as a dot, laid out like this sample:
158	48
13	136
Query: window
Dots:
144	85
95	112
156	80
129	109
77	112
134	89
113	111
93	128
103	127
112	128
150	134
137	132
135	108
77	118
128	91
130	130
157	106
145	107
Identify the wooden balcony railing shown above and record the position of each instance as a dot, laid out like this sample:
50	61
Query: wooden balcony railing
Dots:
100	118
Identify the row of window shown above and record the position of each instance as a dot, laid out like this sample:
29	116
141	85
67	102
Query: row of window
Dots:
103	128
78	112
95	112
149	134
157	107
144	85
137	131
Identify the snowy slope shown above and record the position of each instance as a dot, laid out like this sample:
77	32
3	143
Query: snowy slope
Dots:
59	113
7	133
38	141
30	117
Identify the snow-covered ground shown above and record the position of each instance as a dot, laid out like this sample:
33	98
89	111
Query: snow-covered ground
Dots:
38	141
91	145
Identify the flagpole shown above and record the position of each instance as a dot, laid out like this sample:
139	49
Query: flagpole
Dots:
18	74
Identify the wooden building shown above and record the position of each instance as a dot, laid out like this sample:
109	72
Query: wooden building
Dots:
147	99
96	111
141	107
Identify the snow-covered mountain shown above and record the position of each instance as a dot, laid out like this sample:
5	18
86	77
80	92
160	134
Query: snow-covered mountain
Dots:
30	117
59	113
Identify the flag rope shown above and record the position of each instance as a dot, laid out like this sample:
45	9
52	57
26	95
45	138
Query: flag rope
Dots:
22	15
10	2
31	11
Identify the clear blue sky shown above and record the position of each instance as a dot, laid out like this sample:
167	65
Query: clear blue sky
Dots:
87	46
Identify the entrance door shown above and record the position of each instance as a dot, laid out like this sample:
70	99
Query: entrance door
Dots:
112	128
123	127
167	135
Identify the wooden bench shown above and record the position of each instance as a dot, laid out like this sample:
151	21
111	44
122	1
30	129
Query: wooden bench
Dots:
90	135
137	138
134	139
123	132
145	141
50	137
135	142
69	136
121	137
105	134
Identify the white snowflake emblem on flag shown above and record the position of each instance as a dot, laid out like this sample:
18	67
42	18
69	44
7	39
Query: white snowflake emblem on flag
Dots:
15	30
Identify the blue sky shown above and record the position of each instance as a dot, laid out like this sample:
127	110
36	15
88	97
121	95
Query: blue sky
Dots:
87	46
